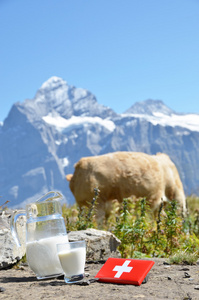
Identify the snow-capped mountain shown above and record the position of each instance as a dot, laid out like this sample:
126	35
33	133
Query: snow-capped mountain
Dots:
43	137
149	107
158	113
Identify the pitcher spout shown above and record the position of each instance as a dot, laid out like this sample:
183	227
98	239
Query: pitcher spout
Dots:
51	196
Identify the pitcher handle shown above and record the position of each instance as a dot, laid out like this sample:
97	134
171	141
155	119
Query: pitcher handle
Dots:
13	227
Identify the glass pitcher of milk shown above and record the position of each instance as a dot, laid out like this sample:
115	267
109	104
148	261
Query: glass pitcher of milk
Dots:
45	228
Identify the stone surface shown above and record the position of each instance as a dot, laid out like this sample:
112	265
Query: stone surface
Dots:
9	252
100	244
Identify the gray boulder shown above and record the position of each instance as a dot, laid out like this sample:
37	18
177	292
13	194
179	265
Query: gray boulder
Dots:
100	244
9	252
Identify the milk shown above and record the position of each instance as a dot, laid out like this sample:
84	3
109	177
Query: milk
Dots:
42	256
73	261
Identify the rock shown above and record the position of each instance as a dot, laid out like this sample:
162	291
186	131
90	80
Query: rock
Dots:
169	278
2	290
100	245
86	282
186	275
9	252
196	287
184	269
145	279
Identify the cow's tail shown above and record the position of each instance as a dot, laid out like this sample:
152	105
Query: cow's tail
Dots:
69	177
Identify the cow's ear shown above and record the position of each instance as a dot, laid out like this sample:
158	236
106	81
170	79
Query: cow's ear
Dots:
69	176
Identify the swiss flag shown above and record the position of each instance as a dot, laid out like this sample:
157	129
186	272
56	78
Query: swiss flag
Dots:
125	271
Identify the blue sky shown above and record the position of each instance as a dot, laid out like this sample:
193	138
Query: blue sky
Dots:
123	51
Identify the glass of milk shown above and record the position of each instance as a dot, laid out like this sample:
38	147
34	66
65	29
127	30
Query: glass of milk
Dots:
72	257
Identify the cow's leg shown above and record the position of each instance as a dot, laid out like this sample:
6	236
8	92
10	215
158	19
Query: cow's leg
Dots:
108	209
157	202
181	200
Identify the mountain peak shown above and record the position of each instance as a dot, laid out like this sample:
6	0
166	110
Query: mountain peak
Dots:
56	96
52	83
149	107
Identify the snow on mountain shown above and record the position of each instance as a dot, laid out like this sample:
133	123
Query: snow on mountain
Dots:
52	83
156	112
74	122
189	121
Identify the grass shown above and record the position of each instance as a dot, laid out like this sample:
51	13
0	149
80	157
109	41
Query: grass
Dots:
183	257
2	206
169	235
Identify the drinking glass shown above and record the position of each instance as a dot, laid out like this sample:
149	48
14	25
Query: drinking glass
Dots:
72	257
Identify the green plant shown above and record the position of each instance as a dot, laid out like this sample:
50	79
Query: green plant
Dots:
122	228
81	218
139	228
184	257
172	225
157	239
141	234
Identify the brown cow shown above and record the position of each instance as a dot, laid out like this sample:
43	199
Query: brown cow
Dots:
120	175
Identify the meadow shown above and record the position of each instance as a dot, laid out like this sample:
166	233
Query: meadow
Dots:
168	235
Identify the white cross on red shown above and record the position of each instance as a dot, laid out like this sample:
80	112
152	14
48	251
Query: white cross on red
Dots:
121	269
